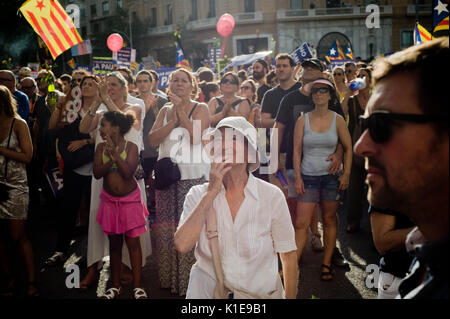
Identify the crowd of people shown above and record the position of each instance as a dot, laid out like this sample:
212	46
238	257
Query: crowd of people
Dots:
223	226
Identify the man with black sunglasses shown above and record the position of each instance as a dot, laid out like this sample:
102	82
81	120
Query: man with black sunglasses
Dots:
405	142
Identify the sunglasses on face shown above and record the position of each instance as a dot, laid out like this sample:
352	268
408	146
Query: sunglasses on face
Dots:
380	123
338	74
246	88
231	81
321	90
348	71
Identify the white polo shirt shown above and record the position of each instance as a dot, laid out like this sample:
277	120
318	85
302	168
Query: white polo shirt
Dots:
248	246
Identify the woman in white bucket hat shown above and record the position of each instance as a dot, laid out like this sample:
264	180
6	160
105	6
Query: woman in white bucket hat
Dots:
252	220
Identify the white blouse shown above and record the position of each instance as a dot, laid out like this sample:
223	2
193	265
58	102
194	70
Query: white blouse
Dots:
249	245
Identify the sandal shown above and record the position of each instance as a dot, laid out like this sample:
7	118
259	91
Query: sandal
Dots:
35	291
86	284
139	293
112	293
327	275
8	290
58	257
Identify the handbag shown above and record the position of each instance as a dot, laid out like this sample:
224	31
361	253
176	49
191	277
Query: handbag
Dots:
223	288
4	189
80	157
166	171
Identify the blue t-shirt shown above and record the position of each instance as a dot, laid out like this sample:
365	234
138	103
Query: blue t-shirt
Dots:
23	104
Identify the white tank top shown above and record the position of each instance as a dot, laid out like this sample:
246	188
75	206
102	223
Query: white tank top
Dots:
190	158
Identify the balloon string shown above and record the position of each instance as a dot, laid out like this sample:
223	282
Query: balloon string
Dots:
224	44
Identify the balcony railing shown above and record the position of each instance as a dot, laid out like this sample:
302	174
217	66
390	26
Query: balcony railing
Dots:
299	14
162	30
422	9
202	24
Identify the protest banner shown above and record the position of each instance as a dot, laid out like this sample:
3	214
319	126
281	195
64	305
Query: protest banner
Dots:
124	57
302	53
163	74
103	65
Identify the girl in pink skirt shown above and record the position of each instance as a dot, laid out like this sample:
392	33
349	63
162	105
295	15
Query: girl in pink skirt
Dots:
121	211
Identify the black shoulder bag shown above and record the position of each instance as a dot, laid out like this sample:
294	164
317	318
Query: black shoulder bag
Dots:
166	171
4	189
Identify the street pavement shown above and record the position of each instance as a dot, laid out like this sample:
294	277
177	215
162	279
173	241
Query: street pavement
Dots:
349	283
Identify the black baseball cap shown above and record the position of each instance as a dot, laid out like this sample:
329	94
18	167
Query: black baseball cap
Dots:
314	63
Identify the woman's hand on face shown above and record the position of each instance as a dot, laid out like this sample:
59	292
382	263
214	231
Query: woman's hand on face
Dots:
299	186
176	100
344	181
216	174
76	145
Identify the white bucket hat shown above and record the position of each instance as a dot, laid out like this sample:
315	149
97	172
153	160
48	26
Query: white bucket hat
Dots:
240	124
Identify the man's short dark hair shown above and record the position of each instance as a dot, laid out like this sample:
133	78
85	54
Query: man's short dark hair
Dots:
155	75
421	63
353	64
145	72
65	78
129	77
284	56
263	63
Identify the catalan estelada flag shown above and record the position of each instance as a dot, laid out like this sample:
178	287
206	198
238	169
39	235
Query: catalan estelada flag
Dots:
181	61
52	23
335	52
440	15
421	35
349	52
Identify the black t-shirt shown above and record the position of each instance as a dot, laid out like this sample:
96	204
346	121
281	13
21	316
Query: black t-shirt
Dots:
271	103
149	120
395	262
294	105
261	91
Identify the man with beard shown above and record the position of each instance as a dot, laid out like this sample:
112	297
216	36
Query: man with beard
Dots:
405	143
260	71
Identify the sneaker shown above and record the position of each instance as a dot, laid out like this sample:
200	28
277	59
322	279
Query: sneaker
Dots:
316	243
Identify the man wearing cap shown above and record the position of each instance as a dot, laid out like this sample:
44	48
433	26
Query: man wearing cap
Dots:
253	222
405	143
294	105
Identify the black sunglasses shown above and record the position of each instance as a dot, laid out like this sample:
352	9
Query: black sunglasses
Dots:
380	122
231	81
348	71
337	74
321	90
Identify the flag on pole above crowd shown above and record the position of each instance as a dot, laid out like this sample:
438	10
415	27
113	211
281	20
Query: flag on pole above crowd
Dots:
335	52
181	60
51	22
421	35
349	52
440	15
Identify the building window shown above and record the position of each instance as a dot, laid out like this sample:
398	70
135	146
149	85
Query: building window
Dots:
105	6
83	32
154	21
96	28
333	3
169	20
296	4
93	10
194	14
119	4
249	5
212	9
83	12
407	39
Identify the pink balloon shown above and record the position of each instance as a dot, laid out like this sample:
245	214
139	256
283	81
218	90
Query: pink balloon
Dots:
224	28
114	42
228	17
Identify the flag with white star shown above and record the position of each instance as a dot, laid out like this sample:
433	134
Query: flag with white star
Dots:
335	52
440	15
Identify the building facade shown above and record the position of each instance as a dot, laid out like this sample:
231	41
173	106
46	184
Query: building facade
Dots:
277	25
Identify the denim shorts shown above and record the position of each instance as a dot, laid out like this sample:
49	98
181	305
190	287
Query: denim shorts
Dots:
320	188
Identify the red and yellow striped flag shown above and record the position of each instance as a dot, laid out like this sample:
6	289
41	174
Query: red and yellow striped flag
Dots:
52	23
